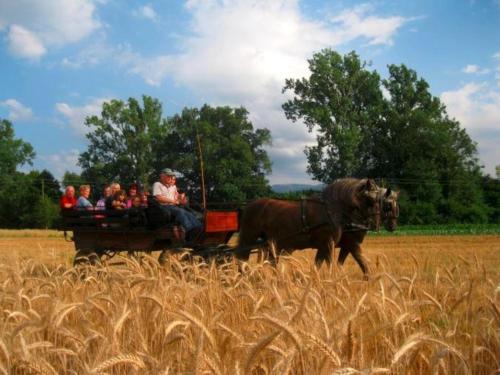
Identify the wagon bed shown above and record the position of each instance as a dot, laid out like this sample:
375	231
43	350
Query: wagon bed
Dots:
107	232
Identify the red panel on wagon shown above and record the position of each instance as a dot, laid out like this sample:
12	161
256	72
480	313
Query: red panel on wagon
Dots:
221	221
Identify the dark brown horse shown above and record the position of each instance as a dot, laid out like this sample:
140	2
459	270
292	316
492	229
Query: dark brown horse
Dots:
311	223
351	239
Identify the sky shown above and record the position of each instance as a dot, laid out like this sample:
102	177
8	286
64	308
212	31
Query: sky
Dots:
61	59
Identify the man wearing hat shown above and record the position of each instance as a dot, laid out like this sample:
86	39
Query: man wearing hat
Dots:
167	195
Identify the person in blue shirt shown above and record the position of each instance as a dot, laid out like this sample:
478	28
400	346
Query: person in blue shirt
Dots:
83	202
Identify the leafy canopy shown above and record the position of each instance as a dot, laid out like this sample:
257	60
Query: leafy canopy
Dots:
405	136
123	141
235	162
130	142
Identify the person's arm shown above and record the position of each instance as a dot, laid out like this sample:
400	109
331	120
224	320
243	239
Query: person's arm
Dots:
157	193
163	199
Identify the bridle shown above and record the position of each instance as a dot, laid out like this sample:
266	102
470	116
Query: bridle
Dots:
390	208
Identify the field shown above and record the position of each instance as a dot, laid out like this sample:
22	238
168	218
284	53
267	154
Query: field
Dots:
431	306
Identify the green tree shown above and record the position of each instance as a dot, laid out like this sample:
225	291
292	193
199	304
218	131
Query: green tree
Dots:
47	185
16	189
341	100
235	162
123	141
13	152
491	188
406	136
428	153
73	179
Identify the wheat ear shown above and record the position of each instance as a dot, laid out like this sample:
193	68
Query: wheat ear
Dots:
325	348
120	359
257	348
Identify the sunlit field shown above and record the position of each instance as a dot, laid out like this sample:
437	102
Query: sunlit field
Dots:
430	306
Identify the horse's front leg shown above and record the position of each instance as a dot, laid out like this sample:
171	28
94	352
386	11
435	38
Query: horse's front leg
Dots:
323	254
356	253
344	252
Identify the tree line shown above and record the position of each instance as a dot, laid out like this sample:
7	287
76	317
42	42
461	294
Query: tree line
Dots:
393	129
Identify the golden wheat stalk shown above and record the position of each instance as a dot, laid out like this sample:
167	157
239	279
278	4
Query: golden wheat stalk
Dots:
199	324
121	359
257	348
325	348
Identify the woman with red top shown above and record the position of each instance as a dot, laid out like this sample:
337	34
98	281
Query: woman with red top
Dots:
68	200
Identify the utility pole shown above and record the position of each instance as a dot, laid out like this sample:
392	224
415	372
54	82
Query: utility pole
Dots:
43	203
202	172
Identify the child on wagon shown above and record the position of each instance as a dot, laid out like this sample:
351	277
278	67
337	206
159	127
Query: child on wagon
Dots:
119	201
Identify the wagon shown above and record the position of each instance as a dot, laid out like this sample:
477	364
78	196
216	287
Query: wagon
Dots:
102	234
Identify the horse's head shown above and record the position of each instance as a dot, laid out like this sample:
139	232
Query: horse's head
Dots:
369	203
390	208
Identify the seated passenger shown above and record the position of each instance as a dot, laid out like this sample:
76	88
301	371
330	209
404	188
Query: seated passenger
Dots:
108	203
101	203
83	202
132	193
181	197
136	202
144	198
166	194
68	200
119	201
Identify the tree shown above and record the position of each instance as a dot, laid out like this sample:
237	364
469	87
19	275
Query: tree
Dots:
73	179
123	141
47	185
419	146
235	161
491	188
342	101
13	152
406	137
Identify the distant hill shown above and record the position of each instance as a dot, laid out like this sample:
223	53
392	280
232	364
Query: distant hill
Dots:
287	188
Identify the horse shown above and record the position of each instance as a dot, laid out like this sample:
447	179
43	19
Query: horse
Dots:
351	239
312	222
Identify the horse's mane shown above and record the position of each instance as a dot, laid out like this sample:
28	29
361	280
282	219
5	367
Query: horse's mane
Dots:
341	195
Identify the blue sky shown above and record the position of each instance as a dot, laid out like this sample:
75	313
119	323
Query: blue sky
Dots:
60	59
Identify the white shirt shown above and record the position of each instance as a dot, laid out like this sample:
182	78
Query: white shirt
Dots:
167	191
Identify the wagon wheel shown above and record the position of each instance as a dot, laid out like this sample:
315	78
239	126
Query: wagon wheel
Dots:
83	257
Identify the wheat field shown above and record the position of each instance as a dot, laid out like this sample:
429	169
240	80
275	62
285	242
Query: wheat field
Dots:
431	306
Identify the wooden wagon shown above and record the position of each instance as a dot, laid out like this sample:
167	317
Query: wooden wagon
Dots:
98	234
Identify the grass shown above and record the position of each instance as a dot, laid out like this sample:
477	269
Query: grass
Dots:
441	229
432	305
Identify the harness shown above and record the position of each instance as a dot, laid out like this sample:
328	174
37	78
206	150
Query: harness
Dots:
306	227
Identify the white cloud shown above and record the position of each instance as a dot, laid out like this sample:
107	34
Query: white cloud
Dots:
356	22
477	107
93	54
146	11
76	115
240	53
60	162
24	43
474	69
17	111
45	24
